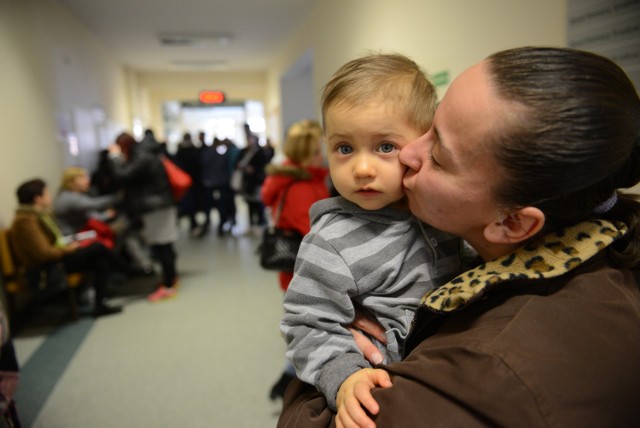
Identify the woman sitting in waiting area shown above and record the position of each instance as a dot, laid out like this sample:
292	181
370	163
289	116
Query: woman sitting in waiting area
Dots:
36	240
73	207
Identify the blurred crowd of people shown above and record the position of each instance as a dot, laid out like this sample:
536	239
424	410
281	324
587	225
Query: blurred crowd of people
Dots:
121	219
220	170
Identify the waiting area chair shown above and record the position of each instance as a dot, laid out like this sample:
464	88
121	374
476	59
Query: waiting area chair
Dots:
15	281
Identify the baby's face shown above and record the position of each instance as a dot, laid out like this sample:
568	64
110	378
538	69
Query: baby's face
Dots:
363	144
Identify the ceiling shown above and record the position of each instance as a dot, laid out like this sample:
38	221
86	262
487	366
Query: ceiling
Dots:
212	35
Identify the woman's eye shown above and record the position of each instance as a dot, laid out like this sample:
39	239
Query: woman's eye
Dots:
433	161
344	149
387	147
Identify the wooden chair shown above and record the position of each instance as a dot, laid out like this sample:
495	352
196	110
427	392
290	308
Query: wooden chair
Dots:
14	280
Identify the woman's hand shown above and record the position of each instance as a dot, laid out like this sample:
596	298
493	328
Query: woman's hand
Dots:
364	323
115	150
73	245
354	396
110	213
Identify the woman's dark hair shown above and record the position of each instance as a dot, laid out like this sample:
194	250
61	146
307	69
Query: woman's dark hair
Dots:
29	190
573	139
126	142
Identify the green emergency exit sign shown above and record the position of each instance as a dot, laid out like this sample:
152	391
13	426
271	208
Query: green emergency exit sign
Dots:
441	78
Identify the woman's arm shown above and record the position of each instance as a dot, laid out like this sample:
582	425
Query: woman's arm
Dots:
434	386
69	201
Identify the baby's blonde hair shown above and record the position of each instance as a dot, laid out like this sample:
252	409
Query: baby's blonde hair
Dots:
383	78
69	175
303	141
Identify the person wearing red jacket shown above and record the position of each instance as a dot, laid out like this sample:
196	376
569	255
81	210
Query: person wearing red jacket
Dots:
304	175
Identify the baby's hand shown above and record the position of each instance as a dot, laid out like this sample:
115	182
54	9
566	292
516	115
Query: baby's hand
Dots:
355	393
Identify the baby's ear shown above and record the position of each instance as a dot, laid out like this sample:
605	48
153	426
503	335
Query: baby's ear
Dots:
516	227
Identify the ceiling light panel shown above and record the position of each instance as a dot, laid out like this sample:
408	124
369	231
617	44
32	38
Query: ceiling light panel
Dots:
197	65
194	39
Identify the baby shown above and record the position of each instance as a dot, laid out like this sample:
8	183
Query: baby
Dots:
364	246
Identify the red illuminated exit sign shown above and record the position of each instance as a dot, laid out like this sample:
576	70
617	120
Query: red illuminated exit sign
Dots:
211	97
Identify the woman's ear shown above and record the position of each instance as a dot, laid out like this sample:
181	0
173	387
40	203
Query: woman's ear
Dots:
516	227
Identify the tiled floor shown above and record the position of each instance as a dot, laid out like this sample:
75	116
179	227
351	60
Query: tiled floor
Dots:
205	359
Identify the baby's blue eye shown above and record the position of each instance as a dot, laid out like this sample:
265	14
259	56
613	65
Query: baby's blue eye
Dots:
387	147
344	149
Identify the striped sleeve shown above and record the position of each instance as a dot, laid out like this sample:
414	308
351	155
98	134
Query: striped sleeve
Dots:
317	307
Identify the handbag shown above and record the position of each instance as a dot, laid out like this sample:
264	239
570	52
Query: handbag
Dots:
179	180
279	247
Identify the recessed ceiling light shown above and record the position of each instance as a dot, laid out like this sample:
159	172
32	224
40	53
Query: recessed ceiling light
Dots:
182	65
194	39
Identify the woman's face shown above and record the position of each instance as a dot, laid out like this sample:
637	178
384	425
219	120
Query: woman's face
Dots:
81	183
451	170
317	160
43	202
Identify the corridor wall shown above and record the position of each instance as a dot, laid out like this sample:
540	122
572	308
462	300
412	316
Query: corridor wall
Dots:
444	37
57	80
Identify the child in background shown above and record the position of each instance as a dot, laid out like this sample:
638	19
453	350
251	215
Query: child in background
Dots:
364	246
305	175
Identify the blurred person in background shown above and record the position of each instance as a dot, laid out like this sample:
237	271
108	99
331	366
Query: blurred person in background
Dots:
39	244
252	162
187	158
129	243
76	210
215	163
102	181
148	196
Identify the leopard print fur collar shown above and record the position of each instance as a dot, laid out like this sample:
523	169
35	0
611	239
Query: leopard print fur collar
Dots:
550	256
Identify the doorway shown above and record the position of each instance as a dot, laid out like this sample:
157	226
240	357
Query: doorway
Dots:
216	121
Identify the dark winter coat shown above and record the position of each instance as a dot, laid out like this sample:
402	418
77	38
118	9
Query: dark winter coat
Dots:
143	178
548	336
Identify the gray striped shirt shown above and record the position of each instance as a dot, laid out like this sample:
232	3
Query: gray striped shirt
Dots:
384	260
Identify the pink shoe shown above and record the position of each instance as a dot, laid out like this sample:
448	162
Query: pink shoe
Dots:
162	293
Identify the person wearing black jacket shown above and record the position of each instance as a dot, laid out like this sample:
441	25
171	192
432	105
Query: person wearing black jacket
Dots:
138	168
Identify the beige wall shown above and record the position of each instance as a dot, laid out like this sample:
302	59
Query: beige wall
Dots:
440	35
54	74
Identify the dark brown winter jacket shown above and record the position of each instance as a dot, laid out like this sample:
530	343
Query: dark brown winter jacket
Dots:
547	336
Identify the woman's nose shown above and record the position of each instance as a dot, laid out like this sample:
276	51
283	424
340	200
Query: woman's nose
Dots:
409	155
